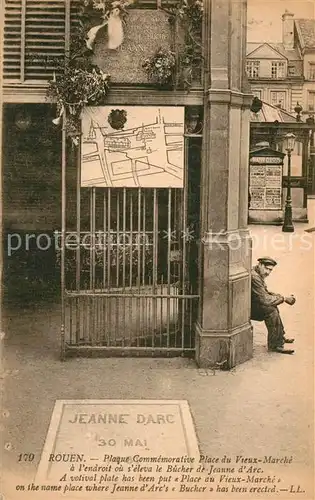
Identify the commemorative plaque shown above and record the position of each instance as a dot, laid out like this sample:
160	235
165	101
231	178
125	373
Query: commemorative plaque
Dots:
96	442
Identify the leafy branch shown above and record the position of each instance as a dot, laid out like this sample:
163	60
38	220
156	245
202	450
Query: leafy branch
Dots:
189	14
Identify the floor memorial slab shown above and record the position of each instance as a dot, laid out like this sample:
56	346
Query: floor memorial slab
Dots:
102	442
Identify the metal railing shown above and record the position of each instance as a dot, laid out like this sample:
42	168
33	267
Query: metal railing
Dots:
130	270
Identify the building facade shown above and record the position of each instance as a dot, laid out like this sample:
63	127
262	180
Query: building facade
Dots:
184	288
283	74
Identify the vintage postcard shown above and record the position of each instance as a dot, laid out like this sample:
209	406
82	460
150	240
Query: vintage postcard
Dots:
157	259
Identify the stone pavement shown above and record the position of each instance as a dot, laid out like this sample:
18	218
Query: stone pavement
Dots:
263	407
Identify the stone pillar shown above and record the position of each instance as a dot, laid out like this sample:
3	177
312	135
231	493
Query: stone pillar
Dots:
223	331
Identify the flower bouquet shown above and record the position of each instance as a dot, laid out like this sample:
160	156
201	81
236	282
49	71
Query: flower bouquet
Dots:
160	67
76	87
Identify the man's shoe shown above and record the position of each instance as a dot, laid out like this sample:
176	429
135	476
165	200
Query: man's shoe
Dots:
282	350
288	341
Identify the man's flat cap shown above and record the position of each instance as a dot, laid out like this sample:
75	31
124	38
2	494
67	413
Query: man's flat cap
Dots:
268	261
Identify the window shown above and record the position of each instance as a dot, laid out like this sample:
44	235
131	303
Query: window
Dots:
291	70
252	69
278	99
311	101
311	71
277	69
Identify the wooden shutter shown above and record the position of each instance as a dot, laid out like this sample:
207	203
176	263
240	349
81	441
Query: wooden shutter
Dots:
12	39
34	31
45	32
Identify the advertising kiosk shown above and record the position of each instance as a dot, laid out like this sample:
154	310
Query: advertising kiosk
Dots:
265	185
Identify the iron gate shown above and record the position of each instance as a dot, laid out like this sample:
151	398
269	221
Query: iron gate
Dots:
129	268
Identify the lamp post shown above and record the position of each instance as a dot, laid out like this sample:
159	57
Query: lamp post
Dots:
289	142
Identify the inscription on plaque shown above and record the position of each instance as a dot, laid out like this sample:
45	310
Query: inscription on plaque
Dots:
84	435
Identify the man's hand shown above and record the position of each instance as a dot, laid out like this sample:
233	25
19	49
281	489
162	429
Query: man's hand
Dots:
290	300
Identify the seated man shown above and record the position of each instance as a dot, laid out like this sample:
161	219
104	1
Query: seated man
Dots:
264	306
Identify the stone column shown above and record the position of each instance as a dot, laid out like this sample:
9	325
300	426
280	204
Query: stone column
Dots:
223	330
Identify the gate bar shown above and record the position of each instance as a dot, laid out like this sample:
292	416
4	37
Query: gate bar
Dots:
104	238
92	239
125	351
169	236
87	293
63	233
184	212
108	237
124	259
139	259
78	228
155	258
130	257
117	315
92	261
117	235
109	250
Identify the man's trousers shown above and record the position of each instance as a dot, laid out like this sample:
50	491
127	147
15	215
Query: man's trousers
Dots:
271	316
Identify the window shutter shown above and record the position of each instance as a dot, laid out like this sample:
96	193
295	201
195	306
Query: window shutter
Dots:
34	31
12	39
44	37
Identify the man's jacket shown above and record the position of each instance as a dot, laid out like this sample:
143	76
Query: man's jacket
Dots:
261	298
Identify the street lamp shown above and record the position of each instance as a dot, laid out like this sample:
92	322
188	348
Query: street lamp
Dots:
289	142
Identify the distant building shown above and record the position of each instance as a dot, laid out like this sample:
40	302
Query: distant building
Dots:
283	74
